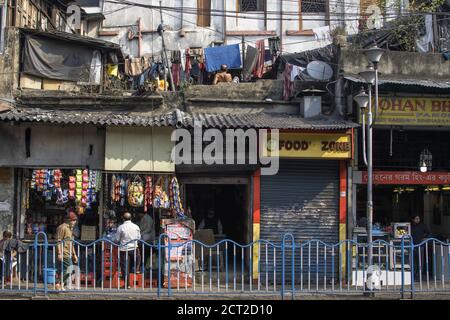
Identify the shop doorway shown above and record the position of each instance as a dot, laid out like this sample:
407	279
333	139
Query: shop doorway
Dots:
228	202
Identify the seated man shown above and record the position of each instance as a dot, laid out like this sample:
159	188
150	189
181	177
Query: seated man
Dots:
223	75
211	221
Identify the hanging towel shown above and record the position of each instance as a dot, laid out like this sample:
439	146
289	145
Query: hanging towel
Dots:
288	85
259	68
188	66
229	55
176	70
251	58
183	59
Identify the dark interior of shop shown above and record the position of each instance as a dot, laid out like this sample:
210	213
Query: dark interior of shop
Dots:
229	204
400	149
394	203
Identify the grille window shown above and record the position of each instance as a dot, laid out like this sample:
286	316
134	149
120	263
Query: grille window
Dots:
252	5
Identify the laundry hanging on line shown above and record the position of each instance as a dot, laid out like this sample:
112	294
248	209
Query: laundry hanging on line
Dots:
229	55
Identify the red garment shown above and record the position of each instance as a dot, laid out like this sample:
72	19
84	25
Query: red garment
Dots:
176	73
288	85
188	66
259	67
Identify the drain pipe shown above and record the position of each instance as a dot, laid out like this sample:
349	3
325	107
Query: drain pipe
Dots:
182	34
224	3
338	91
281	26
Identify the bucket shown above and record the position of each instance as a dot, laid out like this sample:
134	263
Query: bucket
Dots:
50	274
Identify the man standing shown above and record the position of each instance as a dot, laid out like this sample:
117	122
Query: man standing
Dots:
66	252
211	221
126	236
419	232
223	75
147	227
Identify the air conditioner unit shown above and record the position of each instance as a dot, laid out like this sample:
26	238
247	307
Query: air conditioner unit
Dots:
310	106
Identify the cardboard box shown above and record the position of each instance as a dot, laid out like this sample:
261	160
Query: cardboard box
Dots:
88	233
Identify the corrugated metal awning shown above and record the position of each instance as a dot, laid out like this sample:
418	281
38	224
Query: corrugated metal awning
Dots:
439	84
175	118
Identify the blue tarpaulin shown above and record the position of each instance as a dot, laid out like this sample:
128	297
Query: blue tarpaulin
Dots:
216	56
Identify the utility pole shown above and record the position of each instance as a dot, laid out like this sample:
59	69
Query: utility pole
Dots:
165	52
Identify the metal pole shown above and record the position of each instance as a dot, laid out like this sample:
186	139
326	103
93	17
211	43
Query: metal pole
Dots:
165	53
369	211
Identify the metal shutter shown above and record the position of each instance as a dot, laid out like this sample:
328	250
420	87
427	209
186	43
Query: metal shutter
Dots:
302	199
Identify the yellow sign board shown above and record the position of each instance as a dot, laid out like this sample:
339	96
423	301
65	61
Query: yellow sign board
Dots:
413	111
311	145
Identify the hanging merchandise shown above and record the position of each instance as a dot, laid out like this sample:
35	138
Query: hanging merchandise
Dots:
62	196
136	193
113	189
175	198
160	199
72	187
33	180
123	191
148	194
57	175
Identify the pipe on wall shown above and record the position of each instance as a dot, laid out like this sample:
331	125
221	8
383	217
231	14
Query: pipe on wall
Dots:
224	6
281	26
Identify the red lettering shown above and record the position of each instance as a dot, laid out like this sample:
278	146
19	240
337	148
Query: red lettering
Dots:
396	105
435	105
408	104
446	106
420	104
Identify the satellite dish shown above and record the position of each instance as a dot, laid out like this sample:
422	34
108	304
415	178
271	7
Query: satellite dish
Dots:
319	70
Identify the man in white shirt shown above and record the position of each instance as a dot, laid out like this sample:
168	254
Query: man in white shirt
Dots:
126	236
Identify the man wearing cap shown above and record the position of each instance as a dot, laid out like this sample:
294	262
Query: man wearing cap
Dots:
65	249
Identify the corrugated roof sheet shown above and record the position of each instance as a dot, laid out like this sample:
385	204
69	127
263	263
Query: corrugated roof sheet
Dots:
175	118
265	120
440	84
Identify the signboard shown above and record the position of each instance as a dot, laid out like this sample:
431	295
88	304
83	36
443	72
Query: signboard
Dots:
311	145
413	111
404	178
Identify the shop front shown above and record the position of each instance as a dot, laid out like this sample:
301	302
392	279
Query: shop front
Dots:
411	167
307	197
55	169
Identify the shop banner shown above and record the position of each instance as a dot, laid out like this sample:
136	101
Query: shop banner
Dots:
404	177
413	111
311	145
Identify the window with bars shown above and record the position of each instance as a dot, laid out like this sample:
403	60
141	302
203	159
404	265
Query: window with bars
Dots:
252	5
313	6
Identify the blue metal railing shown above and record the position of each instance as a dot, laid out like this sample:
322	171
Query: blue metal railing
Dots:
170	267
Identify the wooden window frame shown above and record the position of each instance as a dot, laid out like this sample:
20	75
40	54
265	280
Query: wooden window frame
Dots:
308	32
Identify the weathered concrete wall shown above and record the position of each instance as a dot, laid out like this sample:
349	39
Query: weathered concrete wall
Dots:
9	64
6	199
259	90
52	146
399	64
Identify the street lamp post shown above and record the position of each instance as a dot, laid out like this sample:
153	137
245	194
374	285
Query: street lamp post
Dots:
370	76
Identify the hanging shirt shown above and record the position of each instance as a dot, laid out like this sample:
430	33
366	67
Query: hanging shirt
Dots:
296	70
259	67
288	85
229	55
251	57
